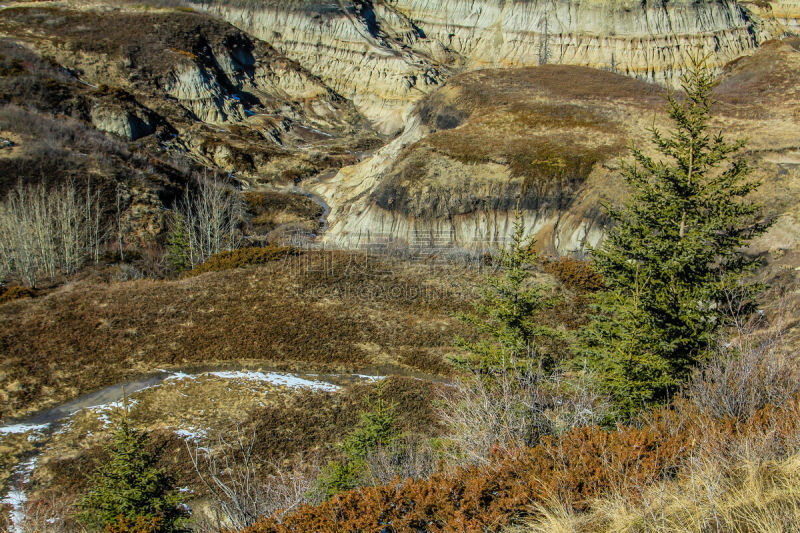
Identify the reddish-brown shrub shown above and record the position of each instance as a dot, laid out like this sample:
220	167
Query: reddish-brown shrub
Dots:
576	467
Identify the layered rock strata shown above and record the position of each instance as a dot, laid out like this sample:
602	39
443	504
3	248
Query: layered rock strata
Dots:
385	55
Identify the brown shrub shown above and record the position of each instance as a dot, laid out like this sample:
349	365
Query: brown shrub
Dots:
242	257
16	292
574	274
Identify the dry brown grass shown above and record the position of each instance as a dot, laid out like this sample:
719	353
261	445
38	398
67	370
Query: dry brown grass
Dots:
546	123
288	427
327	311
763	84
535	132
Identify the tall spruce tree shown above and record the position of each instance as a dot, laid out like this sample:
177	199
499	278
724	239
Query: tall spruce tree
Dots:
674	248
129	488
508	316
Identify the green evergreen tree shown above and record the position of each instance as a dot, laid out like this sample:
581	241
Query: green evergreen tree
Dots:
674	248
130	487
178	245
509	312
377	426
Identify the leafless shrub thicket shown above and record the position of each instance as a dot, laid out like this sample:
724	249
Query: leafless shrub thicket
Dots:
753	369
44	232
406	457
51	515
209	219
240	494
514	408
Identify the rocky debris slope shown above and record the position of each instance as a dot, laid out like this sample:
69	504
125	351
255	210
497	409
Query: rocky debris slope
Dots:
548	140
387	54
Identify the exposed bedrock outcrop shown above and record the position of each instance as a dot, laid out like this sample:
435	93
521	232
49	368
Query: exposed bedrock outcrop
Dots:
186	66
549	140
230	99
384	55
121	115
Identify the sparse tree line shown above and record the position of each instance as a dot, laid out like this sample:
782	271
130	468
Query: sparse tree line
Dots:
48	232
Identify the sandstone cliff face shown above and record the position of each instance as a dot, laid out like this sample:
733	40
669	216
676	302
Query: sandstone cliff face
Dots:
130	121
784	13
487	143
385	55
342	45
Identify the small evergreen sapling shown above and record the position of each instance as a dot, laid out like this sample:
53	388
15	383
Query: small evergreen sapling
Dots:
377	427
178	244
130	488
509	312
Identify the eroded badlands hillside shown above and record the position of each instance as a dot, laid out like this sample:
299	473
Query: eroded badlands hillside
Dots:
492	102
169	83
386	54
550	139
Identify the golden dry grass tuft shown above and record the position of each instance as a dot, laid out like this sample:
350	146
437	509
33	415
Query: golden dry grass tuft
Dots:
241	257
743	495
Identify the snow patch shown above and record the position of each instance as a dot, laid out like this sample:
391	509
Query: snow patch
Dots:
16	497
274	378
190	433
22	428
179	376
370	378
104	411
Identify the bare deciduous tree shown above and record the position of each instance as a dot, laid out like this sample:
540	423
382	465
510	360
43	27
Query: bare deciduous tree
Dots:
403	458
749	370
44	232
240	494
514	408
211	218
